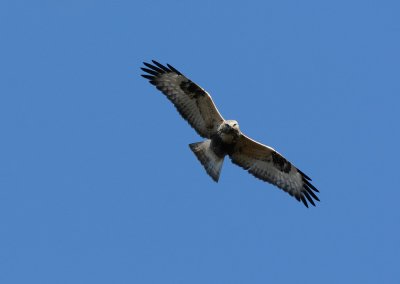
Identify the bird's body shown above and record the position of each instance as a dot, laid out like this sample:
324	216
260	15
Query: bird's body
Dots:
211	152
224	137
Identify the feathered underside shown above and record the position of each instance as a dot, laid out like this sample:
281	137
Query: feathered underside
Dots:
192	102
268	165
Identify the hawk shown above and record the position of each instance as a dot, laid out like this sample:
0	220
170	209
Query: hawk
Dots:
224	137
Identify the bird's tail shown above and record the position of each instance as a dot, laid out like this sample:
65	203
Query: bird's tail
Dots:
207	157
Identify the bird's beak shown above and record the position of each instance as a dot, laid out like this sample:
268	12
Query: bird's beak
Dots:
227	128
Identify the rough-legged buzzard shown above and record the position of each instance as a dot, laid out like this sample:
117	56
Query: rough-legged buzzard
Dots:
223	137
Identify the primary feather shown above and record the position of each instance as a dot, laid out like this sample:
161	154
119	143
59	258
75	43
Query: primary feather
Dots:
192	102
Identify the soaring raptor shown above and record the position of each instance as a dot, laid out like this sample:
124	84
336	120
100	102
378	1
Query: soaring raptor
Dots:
223	137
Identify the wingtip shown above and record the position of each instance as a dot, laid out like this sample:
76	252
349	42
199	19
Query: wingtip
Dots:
304	175
160	67
310	185
310	192
174	69
305	193
304	201
149	77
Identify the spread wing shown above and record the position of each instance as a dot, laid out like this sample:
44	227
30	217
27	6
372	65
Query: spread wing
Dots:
268	165
192	102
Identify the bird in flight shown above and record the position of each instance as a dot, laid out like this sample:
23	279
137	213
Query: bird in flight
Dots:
224	137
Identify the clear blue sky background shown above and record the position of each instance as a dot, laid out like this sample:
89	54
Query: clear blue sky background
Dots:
98	185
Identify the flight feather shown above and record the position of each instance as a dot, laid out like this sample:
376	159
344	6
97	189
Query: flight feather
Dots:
192	102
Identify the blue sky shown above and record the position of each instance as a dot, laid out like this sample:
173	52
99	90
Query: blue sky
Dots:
98	185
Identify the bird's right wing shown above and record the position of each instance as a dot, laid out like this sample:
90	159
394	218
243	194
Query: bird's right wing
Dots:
192	102
268	165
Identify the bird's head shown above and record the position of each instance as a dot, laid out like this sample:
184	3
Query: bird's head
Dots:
229	131
231	126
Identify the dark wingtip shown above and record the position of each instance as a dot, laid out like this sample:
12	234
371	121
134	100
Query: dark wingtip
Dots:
155	68
173	69
304	175
307	192
309	198
159	65
152	72
159	68
310	185
304	201
149	77
311	192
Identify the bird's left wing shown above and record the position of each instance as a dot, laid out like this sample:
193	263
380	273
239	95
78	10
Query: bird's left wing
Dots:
192	102
268	165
